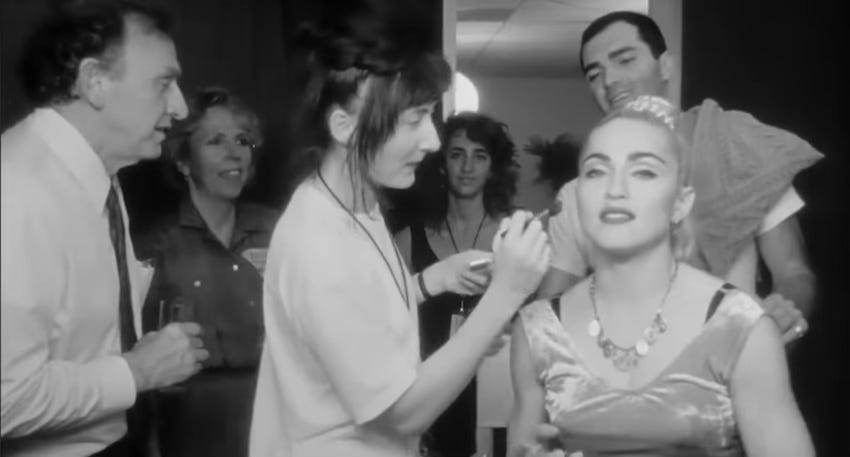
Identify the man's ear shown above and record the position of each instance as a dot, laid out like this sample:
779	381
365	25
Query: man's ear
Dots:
668	65
341	124
92	82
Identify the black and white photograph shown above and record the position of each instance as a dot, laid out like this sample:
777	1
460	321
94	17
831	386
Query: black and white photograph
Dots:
424	228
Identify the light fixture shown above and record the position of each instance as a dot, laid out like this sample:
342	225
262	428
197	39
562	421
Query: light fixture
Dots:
466	95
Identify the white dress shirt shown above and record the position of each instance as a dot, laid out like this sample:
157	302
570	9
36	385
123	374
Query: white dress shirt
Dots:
65	386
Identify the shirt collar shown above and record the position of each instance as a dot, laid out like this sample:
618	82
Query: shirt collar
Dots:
248	219
69	145
188	215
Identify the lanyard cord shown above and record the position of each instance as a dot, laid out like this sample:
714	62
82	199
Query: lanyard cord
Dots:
474	240
404	295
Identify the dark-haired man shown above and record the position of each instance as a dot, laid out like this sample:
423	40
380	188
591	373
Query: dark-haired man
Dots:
105	80
742	171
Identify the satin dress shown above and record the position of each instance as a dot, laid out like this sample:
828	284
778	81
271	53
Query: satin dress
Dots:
684	411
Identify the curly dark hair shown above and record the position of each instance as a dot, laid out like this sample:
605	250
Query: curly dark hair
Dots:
558	158
52	54
500	188
357	45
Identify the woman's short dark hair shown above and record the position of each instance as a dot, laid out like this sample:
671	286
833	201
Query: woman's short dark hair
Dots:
370	49
177	149
500	188
52	55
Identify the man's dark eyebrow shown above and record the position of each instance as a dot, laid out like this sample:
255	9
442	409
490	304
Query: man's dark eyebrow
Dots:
590	66
596	155
635	156
171	73
620	51
611	55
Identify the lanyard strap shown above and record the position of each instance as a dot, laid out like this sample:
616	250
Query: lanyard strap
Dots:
454	243
405	295
474	240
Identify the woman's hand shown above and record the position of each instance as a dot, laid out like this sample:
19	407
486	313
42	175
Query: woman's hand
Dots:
521	254
454	274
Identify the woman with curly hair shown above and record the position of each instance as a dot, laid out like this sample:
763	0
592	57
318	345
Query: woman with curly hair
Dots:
466	189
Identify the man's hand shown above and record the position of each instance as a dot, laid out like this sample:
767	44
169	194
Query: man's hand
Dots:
167	356
547	444
788	318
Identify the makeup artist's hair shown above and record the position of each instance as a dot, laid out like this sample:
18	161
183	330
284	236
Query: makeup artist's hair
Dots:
372	49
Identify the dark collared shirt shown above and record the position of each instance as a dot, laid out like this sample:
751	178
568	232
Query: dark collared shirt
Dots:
219	283
209	414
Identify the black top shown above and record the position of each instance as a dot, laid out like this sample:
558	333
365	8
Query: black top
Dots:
453	433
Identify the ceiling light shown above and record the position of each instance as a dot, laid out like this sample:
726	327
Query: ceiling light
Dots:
466	95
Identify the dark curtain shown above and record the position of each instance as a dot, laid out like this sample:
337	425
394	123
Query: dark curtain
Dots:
784	62
241	45
246	46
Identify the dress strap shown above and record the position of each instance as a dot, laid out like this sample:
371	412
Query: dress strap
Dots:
421	254
717	299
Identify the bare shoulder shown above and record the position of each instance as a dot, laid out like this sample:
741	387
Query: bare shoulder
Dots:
576	298
698	283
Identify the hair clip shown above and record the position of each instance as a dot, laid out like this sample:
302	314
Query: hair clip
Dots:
657	107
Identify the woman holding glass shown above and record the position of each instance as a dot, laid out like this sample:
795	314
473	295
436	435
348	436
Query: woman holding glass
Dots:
209	257
649	356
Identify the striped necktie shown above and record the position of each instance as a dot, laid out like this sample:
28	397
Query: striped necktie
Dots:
116	234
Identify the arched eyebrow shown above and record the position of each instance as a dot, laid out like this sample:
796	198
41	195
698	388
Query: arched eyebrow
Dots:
639	155
597	156
632	157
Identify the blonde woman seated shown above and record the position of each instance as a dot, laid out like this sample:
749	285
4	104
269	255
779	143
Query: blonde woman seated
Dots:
648	356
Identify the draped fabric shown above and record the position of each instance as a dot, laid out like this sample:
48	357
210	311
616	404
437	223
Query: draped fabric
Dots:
740	168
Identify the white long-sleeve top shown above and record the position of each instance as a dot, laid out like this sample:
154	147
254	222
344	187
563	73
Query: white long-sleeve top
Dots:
65	386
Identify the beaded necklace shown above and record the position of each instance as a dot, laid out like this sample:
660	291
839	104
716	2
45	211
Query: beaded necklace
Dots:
627	358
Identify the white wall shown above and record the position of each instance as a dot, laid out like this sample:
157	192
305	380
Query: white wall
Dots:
536	106
668	15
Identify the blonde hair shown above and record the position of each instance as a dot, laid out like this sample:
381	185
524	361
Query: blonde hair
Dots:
661	113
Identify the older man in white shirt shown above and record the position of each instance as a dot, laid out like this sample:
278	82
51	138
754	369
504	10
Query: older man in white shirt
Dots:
105	78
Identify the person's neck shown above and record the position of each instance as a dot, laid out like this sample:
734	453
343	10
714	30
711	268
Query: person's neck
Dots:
640	278
356	194
462	212
219	214
86	121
